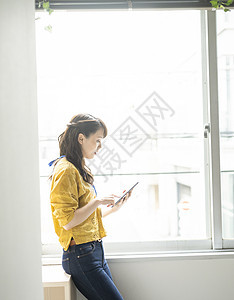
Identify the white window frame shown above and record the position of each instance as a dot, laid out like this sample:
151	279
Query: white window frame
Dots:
213	129
212	174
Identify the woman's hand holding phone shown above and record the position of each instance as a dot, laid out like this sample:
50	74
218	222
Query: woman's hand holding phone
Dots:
118	205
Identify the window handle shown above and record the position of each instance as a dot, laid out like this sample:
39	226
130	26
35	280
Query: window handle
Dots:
206	130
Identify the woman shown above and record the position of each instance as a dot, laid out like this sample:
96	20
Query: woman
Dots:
76	211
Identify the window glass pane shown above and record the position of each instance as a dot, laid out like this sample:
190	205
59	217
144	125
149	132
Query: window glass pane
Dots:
225	42
162	207
142	76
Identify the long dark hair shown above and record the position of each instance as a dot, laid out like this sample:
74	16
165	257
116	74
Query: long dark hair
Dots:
71	148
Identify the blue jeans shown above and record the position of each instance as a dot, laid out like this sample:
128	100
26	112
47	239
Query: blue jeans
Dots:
90	272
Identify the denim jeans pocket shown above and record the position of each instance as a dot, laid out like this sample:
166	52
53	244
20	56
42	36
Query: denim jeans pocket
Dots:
66	263
84	249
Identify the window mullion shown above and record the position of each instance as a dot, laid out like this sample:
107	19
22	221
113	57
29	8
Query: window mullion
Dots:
206	154
214	143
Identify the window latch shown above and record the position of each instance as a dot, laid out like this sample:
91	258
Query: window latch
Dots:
206	130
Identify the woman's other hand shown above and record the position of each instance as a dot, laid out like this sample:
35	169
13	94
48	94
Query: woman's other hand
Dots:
107	200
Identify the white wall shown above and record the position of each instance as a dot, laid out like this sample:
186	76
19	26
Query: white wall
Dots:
171	279
20	270
174	279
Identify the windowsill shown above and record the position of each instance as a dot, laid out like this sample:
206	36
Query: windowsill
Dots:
161	256
54	276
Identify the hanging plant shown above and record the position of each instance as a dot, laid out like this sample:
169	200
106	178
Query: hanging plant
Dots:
221	4
45	4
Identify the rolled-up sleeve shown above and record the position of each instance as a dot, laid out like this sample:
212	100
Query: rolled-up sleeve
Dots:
64	196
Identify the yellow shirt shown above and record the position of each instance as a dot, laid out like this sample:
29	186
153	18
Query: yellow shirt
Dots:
68	192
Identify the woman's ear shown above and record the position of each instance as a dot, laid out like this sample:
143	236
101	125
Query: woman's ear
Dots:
81	138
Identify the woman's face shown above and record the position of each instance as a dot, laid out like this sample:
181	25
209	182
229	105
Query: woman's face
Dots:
91	145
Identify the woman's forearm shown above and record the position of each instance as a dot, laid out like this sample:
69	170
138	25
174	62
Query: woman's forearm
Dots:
81	214
107	212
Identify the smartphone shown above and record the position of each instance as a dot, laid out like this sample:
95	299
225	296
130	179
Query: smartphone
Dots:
125	193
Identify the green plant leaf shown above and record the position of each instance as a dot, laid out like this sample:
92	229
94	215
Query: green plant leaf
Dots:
229	2
48	28
226	9
214	3
40	4
50	11
46	5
